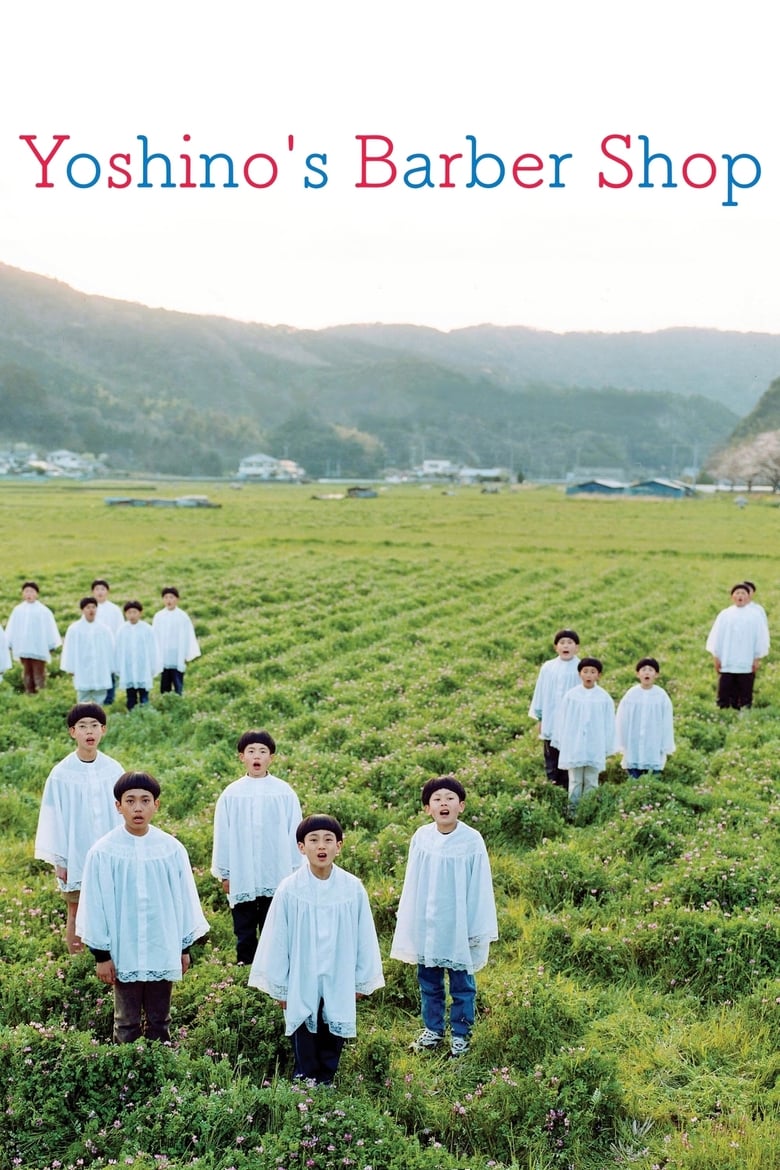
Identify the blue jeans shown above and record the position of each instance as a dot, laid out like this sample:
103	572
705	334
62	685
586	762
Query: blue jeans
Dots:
463	992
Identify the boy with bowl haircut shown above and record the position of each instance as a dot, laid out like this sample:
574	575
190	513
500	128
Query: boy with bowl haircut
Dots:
137	656
255	846
319	952
88	654
644	728
77	807
32	634
446	915
586	731
738	640
176	640
139	912
110	615
555	678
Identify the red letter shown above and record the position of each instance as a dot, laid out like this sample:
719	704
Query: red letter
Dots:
59	139
251	182
448	160
626	140
385	158
112	163
520	165
713	170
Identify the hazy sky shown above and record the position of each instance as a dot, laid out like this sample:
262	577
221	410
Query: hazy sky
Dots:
519	79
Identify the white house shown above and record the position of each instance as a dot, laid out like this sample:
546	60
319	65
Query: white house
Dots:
266	467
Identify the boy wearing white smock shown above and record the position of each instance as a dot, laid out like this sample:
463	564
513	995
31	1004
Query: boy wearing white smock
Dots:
556	676
77	808
139	912
32	634
88	654
738	640
319	952
644	727
176	640
586	731
255	847
137	656
446	915
110	615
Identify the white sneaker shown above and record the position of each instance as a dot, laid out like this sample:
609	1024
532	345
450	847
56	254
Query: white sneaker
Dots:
426	1041
459	1046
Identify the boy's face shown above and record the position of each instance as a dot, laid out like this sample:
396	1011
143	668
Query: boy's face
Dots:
87	734
740	597
29	594
566	648
170	600
647	676
101	593
89	612
445	806
256	758
320	848
137	807
589	676
133	615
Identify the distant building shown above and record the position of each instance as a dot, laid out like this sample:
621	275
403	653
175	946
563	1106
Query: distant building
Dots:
597	487
669	489
483	475
266	468
436	469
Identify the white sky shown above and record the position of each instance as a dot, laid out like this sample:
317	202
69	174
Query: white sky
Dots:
695	77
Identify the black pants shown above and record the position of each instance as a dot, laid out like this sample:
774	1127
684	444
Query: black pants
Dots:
171	679
735	690
248	922
317	1053
555	774
136	695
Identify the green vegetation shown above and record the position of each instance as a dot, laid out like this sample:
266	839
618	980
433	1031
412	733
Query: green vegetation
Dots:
629	1013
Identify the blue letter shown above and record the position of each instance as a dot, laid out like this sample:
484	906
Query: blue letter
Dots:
475	181
69	170
317	171
147	158
732	182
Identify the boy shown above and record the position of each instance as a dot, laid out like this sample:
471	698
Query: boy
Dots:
32	634
319	952
738	640
137	656
556	677
255	846
139	912
585	731
644	724
176	640
77	808
446	914
88	654
110	615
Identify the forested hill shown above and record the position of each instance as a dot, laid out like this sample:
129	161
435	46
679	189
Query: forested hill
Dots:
163	390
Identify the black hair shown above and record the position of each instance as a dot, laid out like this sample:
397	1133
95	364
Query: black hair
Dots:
590	662
751	586
100	581
566	634
256	737
86	711
85	601
132	605
442	782
130	780
739	585
30	585
169	589
648	662
314	823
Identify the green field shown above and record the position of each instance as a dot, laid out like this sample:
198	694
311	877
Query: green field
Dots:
629	1013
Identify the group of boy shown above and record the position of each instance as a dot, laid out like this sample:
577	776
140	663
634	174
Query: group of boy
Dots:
302	924
107	647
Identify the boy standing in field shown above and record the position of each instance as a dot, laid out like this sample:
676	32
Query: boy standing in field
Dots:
586	731
738	640
139	912
446	915
644	723
77	808
319	952
176	640
88	654
110	615
255	846
556	677
137	656
32	634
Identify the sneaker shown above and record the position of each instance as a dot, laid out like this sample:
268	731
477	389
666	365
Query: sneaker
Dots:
459	1046
426	1041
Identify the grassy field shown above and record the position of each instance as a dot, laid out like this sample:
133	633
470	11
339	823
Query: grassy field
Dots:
629	1013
